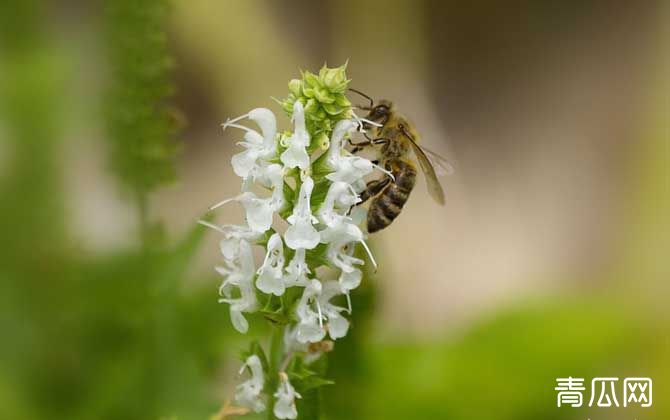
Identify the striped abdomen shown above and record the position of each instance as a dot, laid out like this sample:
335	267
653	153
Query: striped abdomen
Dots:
387	205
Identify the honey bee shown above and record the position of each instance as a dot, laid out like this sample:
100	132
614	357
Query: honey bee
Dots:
397	138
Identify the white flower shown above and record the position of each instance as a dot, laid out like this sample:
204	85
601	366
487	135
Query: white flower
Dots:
337	324
232	235
310	323
259	211
291	343
248	393
286	395
258	146
240	274
270	275
350	280
296	154
349	169
297	270
358	215
340	195
341	237
301	234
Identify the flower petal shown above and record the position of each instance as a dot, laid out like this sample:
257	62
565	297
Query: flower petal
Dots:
259	214
350	280
337	326
239	321
302	235
268	283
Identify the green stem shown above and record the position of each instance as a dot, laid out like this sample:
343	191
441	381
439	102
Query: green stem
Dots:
276	356
143	212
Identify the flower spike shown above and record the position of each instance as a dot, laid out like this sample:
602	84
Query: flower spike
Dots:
307	178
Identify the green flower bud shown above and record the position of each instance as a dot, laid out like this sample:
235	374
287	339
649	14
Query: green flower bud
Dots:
287	106
323	141
342	87
342	101
311	106
323	96
333	109
311	79
308	92
317	115
283	138
295	86
334	79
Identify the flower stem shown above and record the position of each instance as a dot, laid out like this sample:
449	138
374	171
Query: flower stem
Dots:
276	355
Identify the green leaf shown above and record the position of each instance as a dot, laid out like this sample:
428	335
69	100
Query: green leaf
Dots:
317	257
319	194
314	382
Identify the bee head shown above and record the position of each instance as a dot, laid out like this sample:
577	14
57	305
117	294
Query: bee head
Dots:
379	112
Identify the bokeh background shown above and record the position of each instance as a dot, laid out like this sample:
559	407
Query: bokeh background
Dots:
550	259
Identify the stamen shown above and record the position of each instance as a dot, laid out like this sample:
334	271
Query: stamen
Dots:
375	124
318	308
211	226
241	127
357	120
241	371
265	261
362	120
355	196
221	203
229	122
387	173
372	259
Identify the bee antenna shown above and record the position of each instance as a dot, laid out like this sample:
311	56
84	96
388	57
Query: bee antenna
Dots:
372	102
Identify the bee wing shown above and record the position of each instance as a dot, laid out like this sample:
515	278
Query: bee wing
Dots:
441	165
434	187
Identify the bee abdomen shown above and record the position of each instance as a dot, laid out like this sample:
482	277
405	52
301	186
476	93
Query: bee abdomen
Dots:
389	203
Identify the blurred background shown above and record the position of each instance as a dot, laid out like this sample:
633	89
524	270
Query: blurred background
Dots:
549	260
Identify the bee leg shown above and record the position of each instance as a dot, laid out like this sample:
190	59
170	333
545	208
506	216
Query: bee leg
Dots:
373	188
362	145
358	146
380	140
